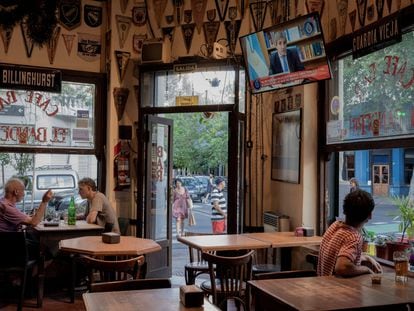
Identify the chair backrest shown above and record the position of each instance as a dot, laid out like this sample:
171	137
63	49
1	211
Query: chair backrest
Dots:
111	270
123	225
231	274
130	285
285	274
195	255
16	246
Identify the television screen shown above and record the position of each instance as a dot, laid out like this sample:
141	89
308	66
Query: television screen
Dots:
285	55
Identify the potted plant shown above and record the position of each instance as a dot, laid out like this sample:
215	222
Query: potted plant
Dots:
381	246
368	237
406	215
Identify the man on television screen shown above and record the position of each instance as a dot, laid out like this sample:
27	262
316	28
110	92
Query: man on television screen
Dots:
284	60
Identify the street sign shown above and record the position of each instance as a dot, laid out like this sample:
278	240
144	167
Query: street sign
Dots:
12	110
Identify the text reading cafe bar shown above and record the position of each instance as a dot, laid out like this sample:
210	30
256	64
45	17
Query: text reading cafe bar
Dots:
206	155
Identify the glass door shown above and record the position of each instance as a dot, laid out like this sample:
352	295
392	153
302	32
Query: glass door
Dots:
158	194
381	179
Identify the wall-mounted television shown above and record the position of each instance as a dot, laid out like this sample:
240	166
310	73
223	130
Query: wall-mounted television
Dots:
285	55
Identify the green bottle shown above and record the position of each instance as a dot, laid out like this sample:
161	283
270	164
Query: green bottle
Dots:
72	212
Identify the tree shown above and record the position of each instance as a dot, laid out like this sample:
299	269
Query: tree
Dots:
22	163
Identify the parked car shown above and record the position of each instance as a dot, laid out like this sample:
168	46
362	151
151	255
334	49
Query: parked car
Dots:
192	186
204	182
63	181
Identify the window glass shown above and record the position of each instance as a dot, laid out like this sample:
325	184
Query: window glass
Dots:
205	86
34	119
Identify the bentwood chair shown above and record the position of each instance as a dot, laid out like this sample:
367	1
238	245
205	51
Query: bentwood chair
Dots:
197	265
102	270
15	261
228	277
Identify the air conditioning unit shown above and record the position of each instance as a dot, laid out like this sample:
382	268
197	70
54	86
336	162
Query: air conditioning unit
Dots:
273	222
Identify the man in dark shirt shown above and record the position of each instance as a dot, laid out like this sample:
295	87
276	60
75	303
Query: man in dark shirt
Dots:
284	60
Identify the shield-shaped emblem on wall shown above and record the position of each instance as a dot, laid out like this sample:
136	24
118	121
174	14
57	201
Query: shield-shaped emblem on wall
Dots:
139	15
92	15
70	13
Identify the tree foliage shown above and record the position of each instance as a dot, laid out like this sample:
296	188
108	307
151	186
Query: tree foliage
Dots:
200	144
22	163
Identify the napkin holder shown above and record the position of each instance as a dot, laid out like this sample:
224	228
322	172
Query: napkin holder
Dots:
191	296
111	237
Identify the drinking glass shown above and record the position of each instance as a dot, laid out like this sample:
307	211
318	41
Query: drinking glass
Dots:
401	266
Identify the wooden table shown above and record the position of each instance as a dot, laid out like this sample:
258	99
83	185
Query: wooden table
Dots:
223	242
285	241
140	300
93	246
331	293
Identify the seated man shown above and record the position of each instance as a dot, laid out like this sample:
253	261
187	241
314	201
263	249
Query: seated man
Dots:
341	247
99	210
12	219
284	60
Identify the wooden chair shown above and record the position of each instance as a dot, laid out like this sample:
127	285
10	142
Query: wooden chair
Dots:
130	285
197	264
228	276
15	261
113	270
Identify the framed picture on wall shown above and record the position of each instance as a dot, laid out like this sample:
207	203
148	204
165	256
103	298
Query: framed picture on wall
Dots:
286	138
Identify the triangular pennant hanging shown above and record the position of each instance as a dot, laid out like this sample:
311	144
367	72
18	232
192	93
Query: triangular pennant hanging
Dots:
188	33
352	19
159	9
28	42
6	35
315	6
199	9
221	6
120	98
122	60
342	6
68	40
168	32
124	5
258	14
380	8
123	24
274	12
370	11
232	32
52	44
210	33
362	11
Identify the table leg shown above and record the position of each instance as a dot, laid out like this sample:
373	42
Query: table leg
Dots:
73	278
285	258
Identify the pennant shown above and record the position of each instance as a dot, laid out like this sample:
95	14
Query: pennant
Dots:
370	12
169	19
389	5
124	5
199	9
362	11
6	35
274	9
122	60
123	24
342	6
168	32
332	28
221	6
68	40
352	19
211	15
232	13
52	44
178	9
92	15
188	33
188	16
70	13
28	42
258	14
137	42
120	98
232	32
159	9
380	8
315	6
139	14
210	33
89	46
